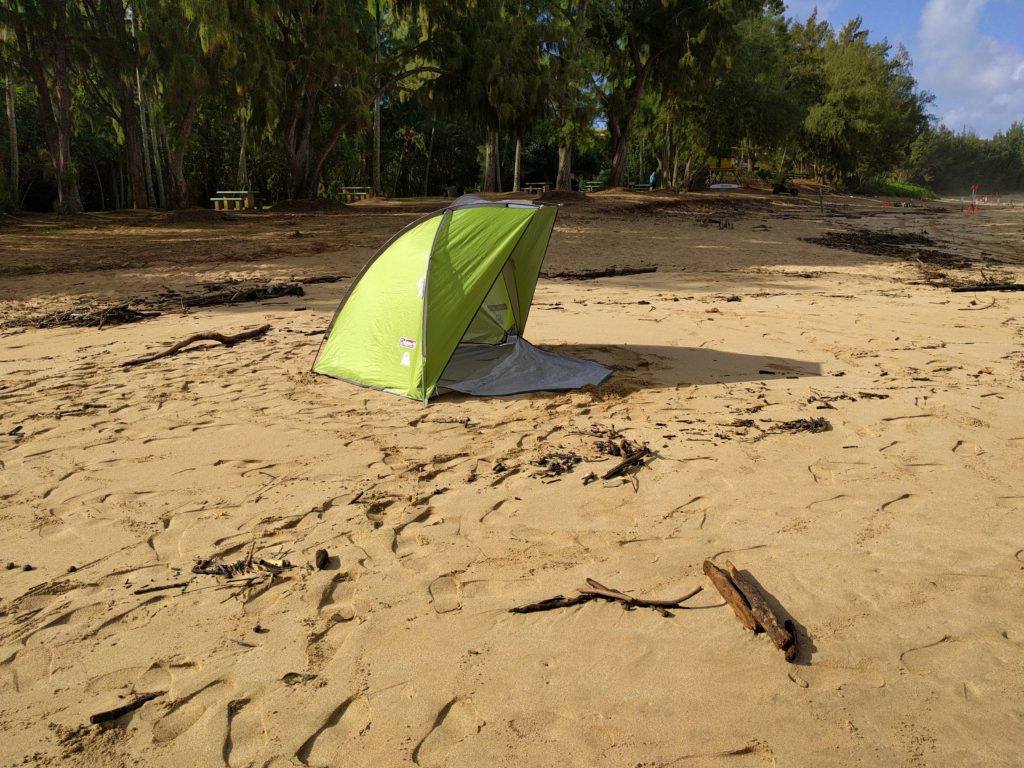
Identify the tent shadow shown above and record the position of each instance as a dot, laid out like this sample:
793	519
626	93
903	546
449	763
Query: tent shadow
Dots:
659	366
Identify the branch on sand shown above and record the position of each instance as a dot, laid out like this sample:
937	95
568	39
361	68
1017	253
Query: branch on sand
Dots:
597	591
227	341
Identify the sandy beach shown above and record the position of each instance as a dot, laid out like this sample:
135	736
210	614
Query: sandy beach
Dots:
893	539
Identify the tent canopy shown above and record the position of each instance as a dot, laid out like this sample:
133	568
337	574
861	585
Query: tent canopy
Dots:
459	280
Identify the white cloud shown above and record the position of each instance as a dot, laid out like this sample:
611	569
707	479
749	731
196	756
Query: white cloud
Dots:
978	80
801	9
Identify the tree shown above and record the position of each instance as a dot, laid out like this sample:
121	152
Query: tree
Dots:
870	113
7	71
43	46
193	48
643	43
314	82
566	44
110	71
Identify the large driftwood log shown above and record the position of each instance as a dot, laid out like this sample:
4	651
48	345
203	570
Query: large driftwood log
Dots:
763	613
227	341
732	596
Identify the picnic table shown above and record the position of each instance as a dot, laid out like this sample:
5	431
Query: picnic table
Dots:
234	200
535	186
355	193
591	186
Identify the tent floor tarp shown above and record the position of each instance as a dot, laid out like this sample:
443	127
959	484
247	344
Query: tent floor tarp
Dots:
515	367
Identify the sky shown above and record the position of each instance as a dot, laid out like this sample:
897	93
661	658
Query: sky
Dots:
968	53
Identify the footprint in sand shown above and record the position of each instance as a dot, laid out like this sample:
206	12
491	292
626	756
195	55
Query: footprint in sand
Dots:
187	711
457	720
446	593
326	746
338	595
247	738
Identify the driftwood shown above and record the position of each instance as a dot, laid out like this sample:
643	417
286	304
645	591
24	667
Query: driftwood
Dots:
766	618
598	591
988	287
228	341
634	458
732	596
551	603
114	714
210	566
594	274
160	588
320	559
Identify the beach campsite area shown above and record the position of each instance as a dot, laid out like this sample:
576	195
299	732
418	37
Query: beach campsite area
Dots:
268	567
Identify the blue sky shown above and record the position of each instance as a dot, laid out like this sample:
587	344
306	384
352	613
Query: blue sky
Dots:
968	53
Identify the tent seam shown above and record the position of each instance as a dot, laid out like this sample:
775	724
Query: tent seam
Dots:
511	251
423	313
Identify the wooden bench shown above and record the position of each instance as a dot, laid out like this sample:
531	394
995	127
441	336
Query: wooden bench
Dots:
234	200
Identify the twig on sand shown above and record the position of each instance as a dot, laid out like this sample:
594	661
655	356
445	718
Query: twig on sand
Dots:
114	714
634	458
598	591
227	341
988	287
975	309
160	588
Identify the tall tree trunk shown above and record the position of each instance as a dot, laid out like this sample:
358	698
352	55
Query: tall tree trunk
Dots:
12	125
688	173
99	182
137	197
519	156
181	195
158	168
563	182
430	156
490	163
621	126
620	152
242	177
497	161
375	182
667	151
55	92
138	122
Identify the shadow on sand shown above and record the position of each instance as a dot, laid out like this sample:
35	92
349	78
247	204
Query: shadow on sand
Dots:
663	366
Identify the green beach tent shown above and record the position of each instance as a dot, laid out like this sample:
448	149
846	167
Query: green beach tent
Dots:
442	307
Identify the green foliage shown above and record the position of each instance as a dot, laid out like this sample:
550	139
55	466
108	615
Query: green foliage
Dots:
890	188
952	162
870	113
602	88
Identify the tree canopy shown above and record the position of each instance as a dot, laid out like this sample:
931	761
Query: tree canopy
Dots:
139	103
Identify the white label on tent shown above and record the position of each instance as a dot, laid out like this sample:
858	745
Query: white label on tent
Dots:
407	343
405	359
423	285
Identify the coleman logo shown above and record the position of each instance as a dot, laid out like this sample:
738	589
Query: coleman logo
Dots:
407	343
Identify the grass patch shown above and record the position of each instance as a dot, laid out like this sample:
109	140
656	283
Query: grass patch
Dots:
900	189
